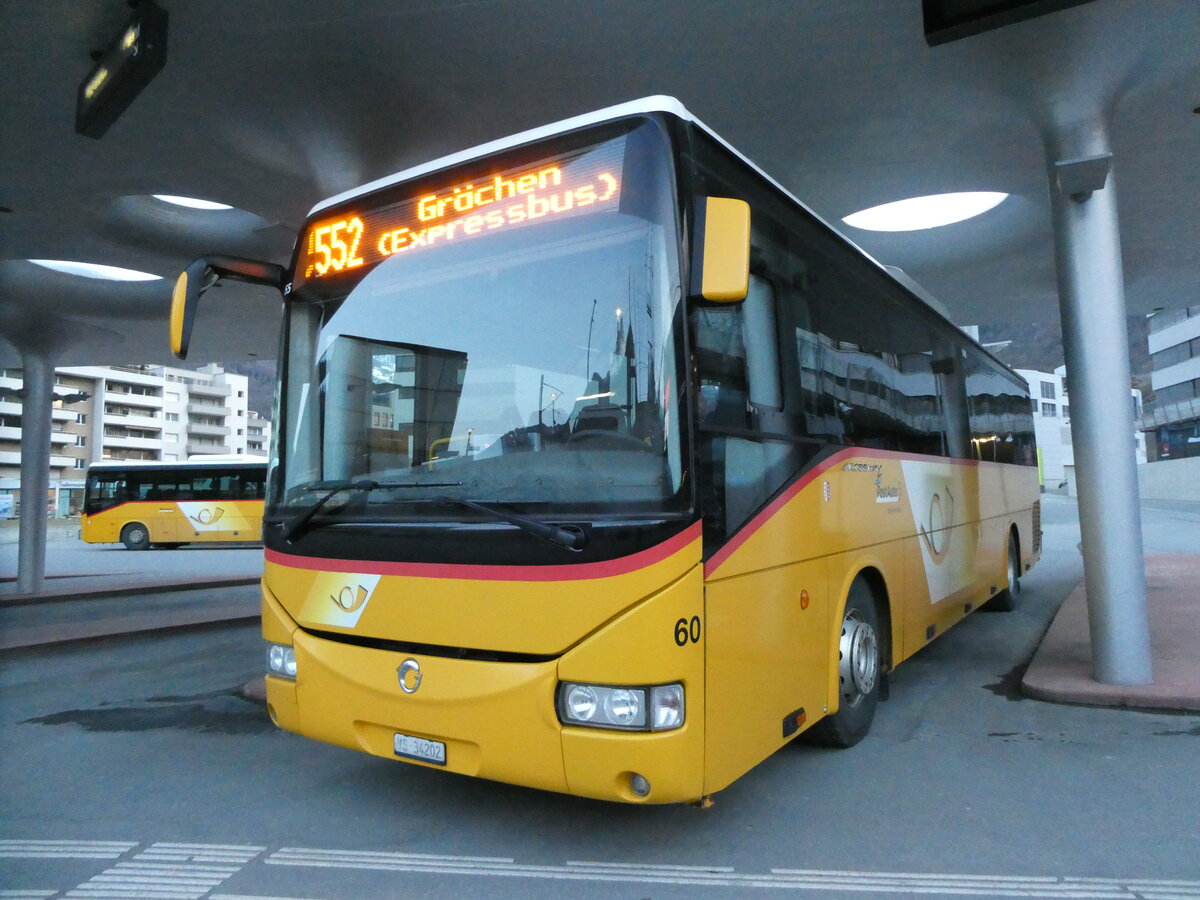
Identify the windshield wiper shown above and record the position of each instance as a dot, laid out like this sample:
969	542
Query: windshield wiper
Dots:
570	537
298	525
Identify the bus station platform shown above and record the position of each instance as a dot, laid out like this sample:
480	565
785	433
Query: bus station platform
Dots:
136	593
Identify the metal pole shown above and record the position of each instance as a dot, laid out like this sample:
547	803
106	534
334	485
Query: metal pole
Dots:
1096	346
35	471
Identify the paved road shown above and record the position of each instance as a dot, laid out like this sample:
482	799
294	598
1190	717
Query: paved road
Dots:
141	759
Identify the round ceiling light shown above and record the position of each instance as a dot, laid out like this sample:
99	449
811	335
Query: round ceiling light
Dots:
94	270
190	202
918	213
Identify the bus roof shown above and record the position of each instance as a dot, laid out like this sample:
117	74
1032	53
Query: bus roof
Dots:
179	464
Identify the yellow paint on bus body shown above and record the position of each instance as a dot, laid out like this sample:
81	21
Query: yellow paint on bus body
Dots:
180	521
931	534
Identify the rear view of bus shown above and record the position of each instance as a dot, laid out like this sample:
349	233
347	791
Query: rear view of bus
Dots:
602	466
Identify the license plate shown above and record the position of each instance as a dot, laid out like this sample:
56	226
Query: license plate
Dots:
418	748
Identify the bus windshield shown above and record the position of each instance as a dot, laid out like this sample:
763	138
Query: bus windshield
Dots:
531	360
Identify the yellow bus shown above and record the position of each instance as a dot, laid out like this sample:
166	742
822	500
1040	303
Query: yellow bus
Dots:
604	466
170	504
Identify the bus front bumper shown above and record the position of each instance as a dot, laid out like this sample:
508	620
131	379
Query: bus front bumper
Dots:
494	720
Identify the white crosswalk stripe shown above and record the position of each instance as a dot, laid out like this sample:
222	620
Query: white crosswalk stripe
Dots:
168	871
65	849
182	871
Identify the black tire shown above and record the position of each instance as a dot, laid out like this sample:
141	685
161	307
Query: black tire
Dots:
135	536
1009	598
860	672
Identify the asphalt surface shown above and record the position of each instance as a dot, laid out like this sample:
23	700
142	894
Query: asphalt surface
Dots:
135	765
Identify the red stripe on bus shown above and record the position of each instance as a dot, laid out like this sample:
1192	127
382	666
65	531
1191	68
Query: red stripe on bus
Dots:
748	530
578	572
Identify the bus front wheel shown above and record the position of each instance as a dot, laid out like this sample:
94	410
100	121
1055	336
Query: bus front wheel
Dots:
860	671
135	536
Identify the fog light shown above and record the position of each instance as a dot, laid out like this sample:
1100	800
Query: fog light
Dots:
281	661
639	785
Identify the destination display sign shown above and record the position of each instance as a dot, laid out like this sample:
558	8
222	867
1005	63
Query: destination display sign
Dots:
580	183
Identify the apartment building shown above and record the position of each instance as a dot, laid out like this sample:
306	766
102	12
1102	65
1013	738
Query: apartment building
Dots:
128	412
1172	418
1052	423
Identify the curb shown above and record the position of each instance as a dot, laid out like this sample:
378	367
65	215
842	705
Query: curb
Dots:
144	587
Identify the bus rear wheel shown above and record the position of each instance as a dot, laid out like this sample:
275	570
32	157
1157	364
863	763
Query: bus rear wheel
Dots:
135	536
1006	600
860	671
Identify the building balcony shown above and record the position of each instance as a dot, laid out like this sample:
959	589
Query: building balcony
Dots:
13	458
207	409
63	438
202	449
136	420
208	430
130	399
132	443
10	434
209	390
1156	414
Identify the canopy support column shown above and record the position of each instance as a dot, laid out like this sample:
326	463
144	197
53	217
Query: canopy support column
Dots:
38	377
1096	345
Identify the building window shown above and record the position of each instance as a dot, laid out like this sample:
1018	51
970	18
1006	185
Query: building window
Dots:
81	463
1049	410
1048	390
80	440
81	418
172	417
1066	414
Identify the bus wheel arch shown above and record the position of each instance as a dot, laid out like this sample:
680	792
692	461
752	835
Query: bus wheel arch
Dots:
135	536
864	643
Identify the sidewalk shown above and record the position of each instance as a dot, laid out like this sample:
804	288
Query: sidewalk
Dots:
1061	669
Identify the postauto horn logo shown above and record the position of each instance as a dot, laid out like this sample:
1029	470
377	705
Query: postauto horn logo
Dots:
350	599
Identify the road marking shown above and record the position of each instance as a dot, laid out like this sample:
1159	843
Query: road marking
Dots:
65	849
169	871
725	877
179	871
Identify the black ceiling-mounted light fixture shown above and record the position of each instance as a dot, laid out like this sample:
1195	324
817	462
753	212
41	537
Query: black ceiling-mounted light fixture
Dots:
131	60
950	20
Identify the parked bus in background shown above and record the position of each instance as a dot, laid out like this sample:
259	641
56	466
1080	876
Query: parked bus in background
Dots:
604	466
145	504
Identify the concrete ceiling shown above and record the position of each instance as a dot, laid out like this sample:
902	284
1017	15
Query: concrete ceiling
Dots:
272	106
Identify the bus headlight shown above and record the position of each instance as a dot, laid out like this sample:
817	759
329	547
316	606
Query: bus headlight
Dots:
281	661
617	706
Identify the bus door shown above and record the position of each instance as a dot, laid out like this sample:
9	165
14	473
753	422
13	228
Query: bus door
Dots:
766	609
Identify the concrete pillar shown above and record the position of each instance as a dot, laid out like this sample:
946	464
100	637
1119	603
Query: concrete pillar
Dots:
35	471
1096	345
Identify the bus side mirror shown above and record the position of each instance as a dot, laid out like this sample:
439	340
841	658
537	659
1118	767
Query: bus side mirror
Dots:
203	274
721	266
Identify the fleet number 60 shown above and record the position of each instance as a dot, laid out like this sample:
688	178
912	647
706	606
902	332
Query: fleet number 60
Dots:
687	631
